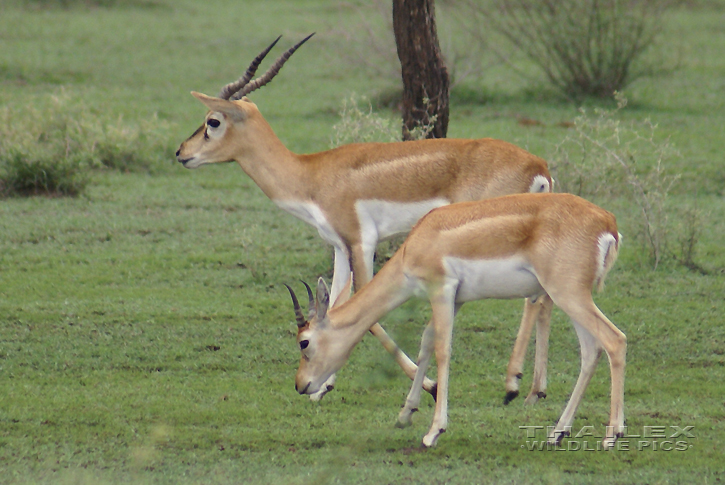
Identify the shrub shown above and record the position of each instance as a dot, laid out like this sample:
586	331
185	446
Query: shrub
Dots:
47	147
24	174
360	124
584	47
604	157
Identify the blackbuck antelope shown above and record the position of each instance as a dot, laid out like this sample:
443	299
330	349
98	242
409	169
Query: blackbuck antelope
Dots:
359	194
517	246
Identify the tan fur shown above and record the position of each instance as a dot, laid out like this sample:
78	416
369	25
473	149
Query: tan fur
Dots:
458	170
553	237
335	180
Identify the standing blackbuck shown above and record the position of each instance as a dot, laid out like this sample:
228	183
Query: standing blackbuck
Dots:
359	194
517	246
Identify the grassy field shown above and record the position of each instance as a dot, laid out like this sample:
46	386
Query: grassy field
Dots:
145	332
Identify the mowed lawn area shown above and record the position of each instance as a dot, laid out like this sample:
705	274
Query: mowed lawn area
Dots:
146	335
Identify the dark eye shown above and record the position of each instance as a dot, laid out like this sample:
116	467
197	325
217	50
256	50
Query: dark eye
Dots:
304	344
213	123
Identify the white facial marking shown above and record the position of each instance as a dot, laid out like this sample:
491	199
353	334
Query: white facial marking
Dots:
493	278
193	163
540	185
215	126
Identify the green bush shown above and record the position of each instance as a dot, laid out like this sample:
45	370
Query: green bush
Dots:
584	47
47	147
25	175
606	158
360	124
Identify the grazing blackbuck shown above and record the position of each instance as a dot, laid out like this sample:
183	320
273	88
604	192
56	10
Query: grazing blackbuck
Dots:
518	246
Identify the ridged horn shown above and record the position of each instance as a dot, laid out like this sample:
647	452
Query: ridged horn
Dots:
231	88
311	298
271	72
298	311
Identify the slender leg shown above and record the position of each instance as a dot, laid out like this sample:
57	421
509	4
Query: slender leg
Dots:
443	314
362	274
341	278
339	294
535	313
516	361
426	351
590	353
543	325
413	399
595	333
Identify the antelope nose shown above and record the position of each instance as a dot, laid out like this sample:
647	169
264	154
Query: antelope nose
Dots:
303	391
178	151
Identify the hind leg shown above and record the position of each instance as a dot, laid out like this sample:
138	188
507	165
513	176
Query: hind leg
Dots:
596	333
543	325
536	313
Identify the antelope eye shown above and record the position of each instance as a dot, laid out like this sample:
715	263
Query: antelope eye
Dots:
304	344
214	123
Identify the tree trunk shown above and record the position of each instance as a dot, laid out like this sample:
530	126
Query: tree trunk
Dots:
425	77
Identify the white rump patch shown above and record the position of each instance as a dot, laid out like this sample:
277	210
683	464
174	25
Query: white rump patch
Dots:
493	278
540	185
608	248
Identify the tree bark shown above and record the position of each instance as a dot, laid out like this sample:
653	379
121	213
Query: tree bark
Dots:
425	77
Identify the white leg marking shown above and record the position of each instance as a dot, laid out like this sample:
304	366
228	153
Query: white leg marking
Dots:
341	274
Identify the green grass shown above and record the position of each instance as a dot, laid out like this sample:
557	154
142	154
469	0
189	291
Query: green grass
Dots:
146	337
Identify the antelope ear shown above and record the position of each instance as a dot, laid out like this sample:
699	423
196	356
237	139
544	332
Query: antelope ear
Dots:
228	108
322	302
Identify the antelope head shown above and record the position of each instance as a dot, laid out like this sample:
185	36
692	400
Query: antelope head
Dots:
324	348
230	113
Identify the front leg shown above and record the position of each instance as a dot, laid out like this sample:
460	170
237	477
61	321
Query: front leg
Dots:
443	313
405	418
339	294
341	277
362	272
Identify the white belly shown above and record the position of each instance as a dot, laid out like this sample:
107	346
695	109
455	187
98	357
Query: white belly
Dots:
313	215
378	219
386	219
494	278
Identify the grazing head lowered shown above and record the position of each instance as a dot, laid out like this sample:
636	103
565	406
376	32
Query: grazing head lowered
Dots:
531	246
359	194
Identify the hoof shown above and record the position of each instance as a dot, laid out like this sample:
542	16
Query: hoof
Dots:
403	424
429	441
405	419
558	436
434	392
534	398
317	397
510	396
609	443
